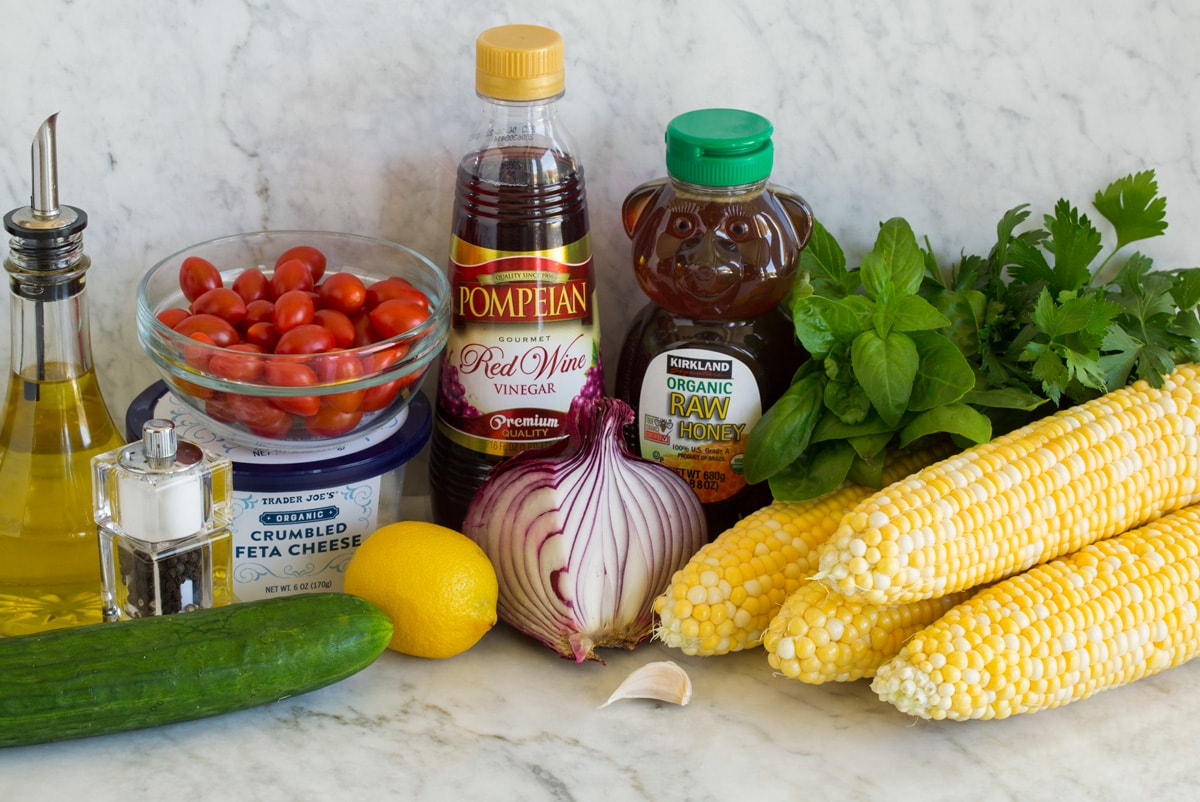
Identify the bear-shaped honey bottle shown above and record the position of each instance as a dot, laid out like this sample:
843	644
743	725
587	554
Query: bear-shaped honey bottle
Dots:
716	249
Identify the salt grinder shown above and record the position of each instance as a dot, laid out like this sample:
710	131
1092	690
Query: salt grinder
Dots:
163	511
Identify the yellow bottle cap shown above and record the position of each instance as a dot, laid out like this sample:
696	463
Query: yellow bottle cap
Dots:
519	62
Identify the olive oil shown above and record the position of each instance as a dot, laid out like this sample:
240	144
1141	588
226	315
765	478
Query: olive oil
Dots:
54	419
49	555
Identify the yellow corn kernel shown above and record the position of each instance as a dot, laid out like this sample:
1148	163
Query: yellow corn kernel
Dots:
1075	477
742	577
843	640
1106	615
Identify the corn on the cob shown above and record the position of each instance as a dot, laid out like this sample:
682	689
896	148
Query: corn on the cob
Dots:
821	636
1108	614
1072	478
724	597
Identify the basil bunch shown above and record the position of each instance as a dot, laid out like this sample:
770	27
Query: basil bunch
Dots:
899	351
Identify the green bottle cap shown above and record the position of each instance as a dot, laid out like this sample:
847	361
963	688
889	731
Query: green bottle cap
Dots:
719	147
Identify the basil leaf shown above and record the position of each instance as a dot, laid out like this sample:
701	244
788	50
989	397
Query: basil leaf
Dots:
965	309
885	367
944	374
823	470
847	401
1004	398
824	262
871	445
895	264
867	472
783	432
821	323
958	419
830	427
914	313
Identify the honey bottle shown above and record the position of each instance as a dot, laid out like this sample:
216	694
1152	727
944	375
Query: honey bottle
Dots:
716	249
55	419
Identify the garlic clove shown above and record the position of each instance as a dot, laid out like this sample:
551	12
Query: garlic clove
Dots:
663	680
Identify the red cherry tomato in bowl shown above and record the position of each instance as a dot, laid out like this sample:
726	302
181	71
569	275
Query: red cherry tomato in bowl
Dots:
307	339
332	422
253	285
291	275
309	256
215	328
293	308
197	276
344	292
222	302
393	288
397	316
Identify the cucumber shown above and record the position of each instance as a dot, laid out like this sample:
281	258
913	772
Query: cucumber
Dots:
114	677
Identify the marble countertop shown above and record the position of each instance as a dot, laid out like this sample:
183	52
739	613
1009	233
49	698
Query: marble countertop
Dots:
510	720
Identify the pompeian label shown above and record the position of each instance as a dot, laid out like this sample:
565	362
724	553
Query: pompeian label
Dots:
523	344
696	409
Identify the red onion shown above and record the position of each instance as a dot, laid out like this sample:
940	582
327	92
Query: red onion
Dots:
584	535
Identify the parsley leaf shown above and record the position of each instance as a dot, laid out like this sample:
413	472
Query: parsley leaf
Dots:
1133	207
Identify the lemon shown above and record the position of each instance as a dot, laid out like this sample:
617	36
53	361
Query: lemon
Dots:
436	584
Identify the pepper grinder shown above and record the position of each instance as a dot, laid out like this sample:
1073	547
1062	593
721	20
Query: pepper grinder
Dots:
163	511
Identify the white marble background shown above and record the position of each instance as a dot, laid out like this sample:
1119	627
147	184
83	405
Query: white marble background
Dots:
183	121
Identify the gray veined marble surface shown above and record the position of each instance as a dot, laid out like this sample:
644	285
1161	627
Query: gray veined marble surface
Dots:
185	121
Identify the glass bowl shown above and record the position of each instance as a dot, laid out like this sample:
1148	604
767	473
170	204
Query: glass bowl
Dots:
294	400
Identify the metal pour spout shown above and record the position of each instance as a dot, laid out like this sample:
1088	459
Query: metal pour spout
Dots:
43	215
44	151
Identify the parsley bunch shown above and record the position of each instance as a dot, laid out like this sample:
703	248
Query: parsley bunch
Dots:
901	350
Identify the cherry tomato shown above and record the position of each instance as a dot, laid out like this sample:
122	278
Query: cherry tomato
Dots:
338	324
216	328
218	408
396	316
379	396
259	415
222	302
260	311
239	363
307	254
392	288
198	356
172	317
332	422
344	292
291	275
307	339
293	308
381	360
264	335
334	368
364	334
197	276
253	285
282	373
194	390
285	373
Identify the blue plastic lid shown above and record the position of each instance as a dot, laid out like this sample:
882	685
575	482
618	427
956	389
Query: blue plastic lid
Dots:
374	455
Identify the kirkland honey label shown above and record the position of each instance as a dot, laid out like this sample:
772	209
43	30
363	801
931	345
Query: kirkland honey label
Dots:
523	344
695	411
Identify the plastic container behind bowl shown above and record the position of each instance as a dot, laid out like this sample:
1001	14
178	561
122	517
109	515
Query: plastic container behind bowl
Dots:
299	516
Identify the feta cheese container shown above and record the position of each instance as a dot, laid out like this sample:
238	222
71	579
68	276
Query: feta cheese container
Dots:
298	516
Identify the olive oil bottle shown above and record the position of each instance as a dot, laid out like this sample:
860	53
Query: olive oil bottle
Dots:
54	419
